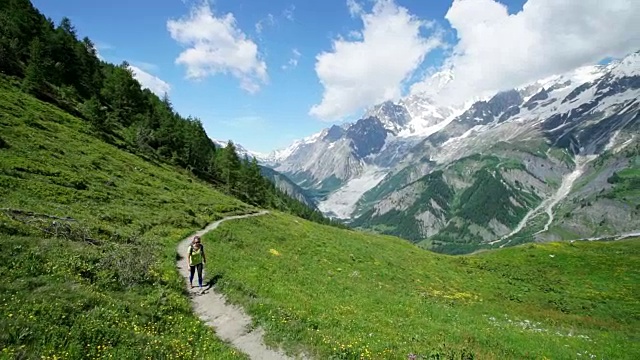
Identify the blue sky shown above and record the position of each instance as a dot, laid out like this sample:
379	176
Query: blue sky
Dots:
264	100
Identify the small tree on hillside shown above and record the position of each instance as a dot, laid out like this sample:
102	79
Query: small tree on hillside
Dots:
93	110
256	182
229	165
34	79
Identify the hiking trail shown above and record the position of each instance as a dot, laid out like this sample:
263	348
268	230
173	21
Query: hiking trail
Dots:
230	322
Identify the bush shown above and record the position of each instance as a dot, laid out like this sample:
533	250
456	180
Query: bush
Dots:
125	266
3	143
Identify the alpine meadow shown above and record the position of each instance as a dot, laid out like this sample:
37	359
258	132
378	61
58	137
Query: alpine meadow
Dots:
505	226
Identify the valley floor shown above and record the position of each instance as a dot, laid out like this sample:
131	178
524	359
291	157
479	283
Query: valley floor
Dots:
342	203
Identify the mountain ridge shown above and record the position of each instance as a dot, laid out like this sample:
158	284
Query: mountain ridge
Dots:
556	118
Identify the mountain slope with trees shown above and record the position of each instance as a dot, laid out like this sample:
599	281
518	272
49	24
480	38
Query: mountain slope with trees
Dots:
58	67
87	242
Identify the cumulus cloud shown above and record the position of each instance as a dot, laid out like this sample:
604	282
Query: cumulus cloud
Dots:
151	82
215	45
293	61
497	51
358	73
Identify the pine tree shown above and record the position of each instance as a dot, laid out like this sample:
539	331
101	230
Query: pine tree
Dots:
245	192
9	45
67	66
122	92
167	102
34	79
257	182
96	114
229	166
90	76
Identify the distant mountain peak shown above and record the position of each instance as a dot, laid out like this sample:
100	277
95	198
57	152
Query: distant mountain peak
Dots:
434	84
241	150
629	66
394	117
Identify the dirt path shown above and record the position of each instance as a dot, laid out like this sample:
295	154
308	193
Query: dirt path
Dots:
230	322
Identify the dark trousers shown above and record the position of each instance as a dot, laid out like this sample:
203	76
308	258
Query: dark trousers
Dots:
192	270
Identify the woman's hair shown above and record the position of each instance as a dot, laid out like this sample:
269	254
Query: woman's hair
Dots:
196	240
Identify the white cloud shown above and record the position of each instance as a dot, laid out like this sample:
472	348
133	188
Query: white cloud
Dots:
293	61
361	73
288	12
355	8
497	51
101	47
215	45
146	66
269	20
355	35
149	81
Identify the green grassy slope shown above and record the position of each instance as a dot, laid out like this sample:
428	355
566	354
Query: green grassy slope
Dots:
104	285
348	295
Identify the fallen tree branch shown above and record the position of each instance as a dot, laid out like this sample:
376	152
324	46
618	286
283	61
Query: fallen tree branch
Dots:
34	214
60	227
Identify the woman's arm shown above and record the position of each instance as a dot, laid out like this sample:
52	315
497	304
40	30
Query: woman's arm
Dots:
204	258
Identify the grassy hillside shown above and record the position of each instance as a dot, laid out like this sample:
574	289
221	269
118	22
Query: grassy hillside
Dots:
348	295
102	285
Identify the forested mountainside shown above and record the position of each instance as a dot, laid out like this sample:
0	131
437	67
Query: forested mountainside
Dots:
58	67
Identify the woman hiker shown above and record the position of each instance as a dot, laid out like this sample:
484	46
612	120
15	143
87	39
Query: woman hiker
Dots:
196	260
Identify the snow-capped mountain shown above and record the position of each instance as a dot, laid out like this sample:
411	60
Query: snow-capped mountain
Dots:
367	149
242	151
366	169
523	165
